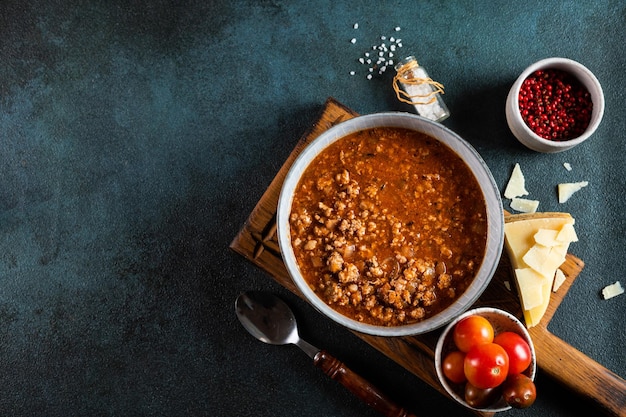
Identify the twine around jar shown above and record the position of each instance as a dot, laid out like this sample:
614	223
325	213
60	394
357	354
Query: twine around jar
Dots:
405	75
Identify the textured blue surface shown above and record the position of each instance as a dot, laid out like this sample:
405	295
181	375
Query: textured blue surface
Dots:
136	137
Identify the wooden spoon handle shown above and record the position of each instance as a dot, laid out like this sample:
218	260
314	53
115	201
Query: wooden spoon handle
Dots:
359	386
582	374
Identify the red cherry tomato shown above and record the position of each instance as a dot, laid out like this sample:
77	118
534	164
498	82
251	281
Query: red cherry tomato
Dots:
472	331
481	398
453	367
519	391
517	349
486	365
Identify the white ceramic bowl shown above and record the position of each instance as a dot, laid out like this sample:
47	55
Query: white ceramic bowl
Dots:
495	218
501	321
529	138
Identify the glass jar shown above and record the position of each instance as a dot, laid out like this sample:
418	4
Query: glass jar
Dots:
413	86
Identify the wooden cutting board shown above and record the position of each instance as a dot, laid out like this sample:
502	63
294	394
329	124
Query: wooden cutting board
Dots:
257	242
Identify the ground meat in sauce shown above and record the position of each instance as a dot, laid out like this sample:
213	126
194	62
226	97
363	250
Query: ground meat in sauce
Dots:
388	226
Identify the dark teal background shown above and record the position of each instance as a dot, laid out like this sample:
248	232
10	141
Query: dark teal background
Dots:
136	138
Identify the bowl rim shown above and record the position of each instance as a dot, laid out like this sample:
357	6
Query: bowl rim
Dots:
442	339
578	70
491	193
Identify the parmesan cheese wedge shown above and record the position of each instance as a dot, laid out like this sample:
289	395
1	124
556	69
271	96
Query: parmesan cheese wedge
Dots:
567	234
516	186
520	230
559	279
524	205
530	284
544	260
536	253
566	190
533	316
612	290
547	237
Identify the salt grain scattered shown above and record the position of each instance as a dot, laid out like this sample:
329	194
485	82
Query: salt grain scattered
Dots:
384	52
356	26
567	166
352	73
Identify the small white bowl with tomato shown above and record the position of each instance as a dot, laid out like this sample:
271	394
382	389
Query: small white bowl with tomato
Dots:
485	359
554	105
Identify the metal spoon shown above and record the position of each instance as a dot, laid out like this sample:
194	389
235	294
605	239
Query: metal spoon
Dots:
270	320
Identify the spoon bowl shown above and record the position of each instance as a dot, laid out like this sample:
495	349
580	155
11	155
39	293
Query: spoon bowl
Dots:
269	319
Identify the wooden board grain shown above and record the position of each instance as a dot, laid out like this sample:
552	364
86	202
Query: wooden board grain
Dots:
257	242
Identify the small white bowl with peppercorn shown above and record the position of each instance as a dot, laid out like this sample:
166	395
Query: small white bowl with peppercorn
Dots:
485	359
554	105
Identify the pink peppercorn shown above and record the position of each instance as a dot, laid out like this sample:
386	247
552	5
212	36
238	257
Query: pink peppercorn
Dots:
555	105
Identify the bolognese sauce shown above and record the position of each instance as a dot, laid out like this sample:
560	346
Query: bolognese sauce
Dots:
388	226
